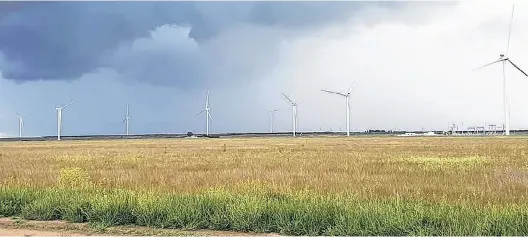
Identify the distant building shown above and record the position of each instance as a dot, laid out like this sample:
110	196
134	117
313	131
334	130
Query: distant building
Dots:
407	134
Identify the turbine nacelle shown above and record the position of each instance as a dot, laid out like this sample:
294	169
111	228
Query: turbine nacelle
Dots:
294	113
207	114
347	97
505	60
127	120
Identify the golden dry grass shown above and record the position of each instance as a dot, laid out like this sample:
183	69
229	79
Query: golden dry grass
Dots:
482	170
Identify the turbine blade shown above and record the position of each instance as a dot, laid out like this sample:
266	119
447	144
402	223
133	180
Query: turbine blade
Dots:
200	112
68	104
509	32
517	67
488	64
333	92
288	98
352	86
211	117
207	100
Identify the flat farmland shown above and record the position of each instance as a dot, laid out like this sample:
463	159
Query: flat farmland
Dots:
303	186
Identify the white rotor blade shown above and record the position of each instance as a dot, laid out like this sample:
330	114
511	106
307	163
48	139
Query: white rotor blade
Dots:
200	112
509	32
488	64
517	67
288	98
211	117
333	92
207	100
68	104
352	87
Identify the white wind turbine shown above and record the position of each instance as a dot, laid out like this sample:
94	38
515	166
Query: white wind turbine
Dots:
294	113
20	124
59	119
504	58
208	114
347	99
127	120
272	111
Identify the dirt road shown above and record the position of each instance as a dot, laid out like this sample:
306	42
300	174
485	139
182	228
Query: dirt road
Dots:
27	232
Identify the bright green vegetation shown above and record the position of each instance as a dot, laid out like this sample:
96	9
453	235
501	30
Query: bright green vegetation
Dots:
299	213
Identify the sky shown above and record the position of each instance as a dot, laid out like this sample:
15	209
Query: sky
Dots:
413	61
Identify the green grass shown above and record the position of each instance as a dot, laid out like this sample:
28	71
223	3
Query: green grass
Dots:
293	213
305	186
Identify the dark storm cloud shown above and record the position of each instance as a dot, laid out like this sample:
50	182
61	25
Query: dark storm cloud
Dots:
63	40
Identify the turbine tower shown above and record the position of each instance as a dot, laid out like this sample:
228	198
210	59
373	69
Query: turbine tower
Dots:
59	119
347	99
208	114
273	111
504	58
20	124
294	113
127	120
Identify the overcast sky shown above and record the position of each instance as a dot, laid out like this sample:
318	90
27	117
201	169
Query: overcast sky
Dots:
414	63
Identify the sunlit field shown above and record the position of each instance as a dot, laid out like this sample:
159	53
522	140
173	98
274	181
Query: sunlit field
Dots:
303	186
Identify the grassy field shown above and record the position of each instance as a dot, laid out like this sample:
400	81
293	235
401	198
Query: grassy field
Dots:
313	186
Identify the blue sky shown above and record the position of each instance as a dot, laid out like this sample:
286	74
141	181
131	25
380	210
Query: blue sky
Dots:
162	57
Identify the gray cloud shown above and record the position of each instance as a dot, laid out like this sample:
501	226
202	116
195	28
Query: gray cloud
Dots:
64	40
414	63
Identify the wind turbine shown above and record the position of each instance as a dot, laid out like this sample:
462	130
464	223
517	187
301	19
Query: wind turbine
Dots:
273	111
59	119
127	120
347	99
20	124
294	113
208	114
504	58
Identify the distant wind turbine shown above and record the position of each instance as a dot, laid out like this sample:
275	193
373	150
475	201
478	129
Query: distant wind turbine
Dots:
208	114
347	99
20	124
273	111
294	113
59	119
504	58
127	120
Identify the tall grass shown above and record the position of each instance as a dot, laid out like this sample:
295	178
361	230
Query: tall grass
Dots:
311	186
293	213
478	169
